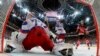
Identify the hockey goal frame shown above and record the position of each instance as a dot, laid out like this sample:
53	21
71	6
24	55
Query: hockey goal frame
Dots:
5	23
90	6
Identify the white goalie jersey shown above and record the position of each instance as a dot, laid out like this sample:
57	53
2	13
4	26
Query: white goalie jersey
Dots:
32	22
28	25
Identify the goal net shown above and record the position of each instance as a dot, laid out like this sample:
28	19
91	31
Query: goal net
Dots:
4	5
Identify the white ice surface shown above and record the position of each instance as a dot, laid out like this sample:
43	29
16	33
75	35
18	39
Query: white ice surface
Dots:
81	51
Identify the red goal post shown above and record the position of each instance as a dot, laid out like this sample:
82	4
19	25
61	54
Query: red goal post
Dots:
87	1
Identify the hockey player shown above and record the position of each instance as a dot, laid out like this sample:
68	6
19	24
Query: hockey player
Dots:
82	30
60	31
59	28
36	34
33	33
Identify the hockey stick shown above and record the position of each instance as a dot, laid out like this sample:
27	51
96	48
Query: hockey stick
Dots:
80	34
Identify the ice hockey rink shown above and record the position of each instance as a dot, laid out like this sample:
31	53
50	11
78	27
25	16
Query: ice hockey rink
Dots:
81	51
37	51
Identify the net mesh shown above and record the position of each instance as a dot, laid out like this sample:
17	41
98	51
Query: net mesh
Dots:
4	5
